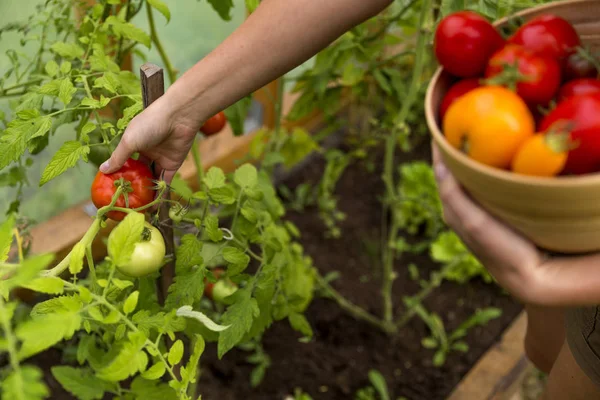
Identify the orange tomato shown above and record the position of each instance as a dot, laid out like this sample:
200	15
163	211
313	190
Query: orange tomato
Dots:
542	155
489	124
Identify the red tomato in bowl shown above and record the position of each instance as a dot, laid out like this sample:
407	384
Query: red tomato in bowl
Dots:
577	87
576	67
457	90
463	43
579	115
535	77
140	191
548	35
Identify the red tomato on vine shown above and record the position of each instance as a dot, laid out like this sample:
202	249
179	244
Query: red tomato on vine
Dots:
139	190
214	124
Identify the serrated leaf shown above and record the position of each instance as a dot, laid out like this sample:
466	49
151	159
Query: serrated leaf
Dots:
66	157
25	384
76	261
211	226
155	372
29	269
109	81
246	176
81	382
128	30
67	50
131	302
214	178
121	367
6	236
57	305
188	254
188	312
51	68
235	256
222	195
300	324
122	240
186	288
161	8
159	322
66	91
175	353
240	316
65	67
48	285
152	390
88	128
192	364
56	327
249	214
129	113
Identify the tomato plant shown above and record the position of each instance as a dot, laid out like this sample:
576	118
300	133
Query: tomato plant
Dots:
148	253
464	42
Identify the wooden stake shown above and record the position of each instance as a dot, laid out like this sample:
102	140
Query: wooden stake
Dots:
153	86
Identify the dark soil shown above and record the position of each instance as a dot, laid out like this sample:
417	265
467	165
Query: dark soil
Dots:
336	363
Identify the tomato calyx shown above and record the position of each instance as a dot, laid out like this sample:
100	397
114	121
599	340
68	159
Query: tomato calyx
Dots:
558	137
509	77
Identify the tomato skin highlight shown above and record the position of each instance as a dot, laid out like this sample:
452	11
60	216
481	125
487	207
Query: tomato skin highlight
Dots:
138	174
489	124
580	115
457	90
214	124
148	255
548	35
539	157
541	76
463	43
578	87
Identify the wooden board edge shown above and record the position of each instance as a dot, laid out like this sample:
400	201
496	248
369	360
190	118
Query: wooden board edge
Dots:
498	373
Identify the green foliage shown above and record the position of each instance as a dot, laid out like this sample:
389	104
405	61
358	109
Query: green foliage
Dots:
460	265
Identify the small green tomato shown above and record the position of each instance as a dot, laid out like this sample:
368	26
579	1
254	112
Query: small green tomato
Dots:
148	254
223	288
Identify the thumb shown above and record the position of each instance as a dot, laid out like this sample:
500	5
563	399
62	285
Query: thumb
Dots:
118	157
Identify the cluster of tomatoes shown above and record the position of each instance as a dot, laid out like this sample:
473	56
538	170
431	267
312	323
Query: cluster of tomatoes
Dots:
136	181
528	103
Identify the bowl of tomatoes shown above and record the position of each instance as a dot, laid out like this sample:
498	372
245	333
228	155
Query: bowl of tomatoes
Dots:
515	110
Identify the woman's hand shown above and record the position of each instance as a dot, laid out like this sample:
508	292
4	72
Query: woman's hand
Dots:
159	134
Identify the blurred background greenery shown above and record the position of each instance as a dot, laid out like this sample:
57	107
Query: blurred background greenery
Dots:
195	29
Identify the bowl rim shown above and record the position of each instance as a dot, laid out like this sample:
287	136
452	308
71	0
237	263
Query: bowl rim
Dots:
497	173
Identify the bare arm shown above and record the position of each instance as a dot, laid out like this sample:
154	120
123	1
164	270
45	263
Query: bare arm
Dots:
277	37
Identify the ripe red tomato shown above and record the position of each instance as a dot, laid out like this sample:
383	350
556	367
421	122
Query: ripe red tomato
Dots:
139	189
579	115
576	66
548	35
457	90
536	77
214	124
464	42
577	87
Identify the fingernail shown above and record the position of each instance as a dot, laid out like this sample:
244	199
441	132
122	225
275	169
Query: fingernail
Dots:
105	166
441	172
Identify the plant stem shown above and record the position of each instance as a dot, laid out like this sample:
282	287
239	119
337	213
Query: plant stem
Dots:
11	345
159	47
354	310
198	163
19	85
389	254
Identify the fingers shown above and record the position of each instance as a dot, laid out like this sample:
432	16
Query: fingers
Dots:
118	157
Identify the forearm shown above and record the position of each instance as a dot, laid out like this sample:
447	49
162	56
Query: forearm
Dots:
277	37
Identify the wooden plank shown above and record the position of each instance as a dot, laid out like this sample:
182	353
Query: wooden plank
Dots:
497	375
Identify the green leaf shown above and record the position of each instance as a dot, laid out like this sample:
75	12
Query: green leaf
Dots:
382	81
66	157
129	113
65	67
297	147
240	316
125	363
189	253
122	240
439	358
161	8
214	178
48	285
128	30
175	353
186	288
56	327
299	323
6	236
76	261
236	115
57	305
28	270
378	382
152	390
252	5
131	302
67	50
188	312
109	81
211	225
222	195
155	372
25	384
222	7
51	68
429	343
159	322
235	256
463	347
81	382
246	176
192	364
352	74
66	91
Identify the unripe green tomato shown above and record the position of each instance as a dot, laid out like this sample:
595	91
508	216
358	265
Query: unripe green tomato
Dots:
148	254
176	213
223	289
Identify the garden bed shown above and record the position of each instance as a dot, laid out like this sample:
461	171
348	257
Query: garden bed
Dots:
335	364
